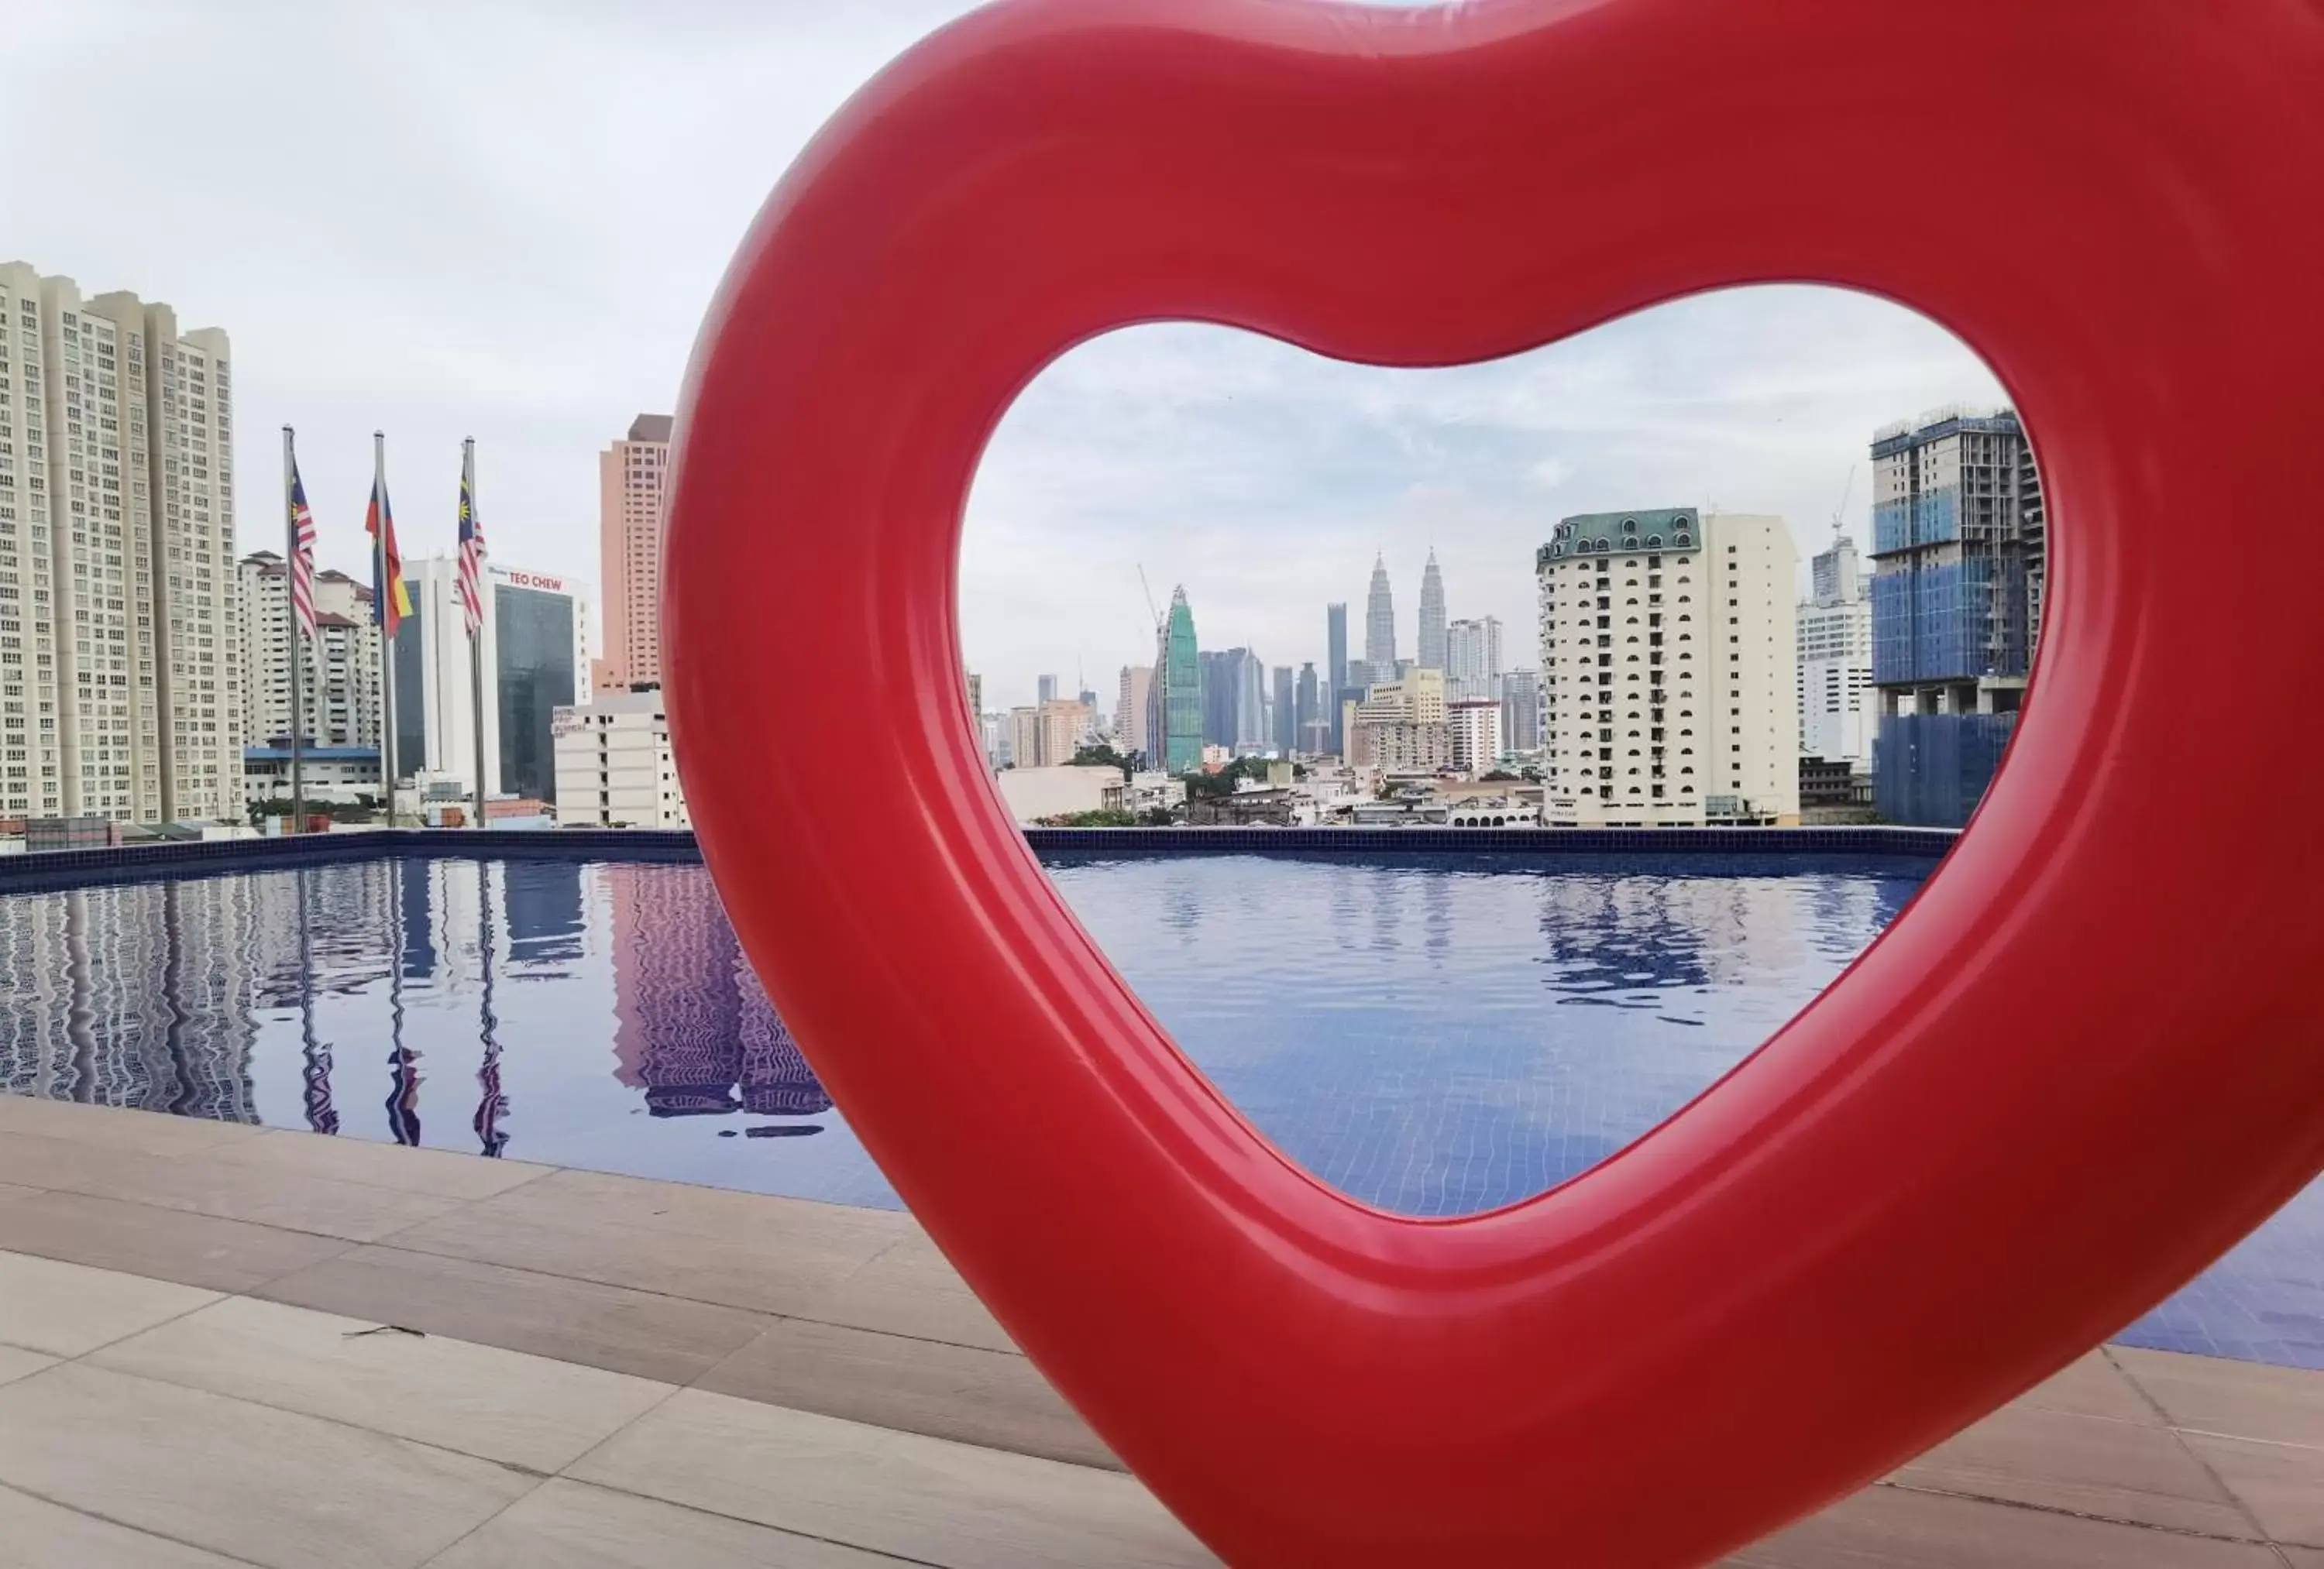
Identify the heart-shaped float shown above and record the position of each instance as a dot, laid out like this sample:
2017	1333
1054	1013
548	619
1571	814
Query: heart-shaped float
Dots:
2085	1062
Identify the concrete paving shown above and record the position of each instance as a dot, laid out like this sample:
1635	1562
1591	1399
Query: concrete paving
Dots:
209	1356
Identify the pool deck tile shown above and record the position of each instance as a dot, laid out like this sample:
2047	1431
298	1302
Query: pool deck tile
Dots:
2210	1395
849	1398
2281	1484
924	1499
17	1364
275	1487
521	1410
2094	1385
2085	1465
909	1289
38	1535
993	1398
117	1127
766	1256
440	1173
1891	1527
202	1184
648	1333
167	1244
66	1309
572	1525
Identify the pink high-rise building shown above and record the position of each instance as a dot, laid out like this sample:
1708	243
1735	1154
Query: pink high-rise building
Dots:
632	477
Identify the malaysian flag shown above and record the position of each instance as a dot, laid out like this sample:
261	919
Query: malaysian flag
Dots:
472	549
302	557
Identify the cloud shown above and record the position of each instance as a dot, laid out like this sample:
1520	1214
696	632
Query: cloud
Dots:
504	222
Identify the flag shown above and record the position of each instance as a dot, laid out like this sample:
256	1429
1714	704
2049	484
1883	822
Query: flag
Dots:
391	601
302	558
472	558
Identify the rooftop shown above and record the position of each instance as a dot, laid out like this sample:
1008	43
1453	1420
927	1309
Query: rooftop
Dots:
222	1346
1589	533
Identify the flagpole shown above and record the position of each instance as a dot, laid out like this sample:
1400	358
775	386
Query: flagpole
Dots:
290	596
387	761
476	629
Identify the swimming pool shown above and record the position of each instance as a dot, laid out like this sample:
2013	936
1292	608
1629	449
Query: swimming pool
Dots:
1433	1035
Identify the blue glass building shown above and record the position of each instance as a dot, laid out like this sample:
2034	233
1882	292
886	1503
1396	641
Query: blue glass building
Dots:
1960	560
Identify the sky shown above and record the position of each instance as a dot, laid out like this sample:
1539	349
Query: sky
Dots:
505	221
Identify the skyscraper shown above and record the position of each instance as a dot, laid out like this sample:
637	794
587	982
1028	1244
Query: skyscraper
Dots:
1045	689
1380	626
1835	690
1179	683
125	685
1521	711
1472	656
535	639
1285	715
632	505
1131	735
1306	715
1234	685
340	703
1958	549
1335	673
1668	654
1431	615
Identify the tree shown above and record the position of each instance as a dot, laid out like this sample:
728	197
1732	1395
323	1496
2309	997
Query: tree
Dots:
1157	817
1498	776
1225	781
362	809
1102	755
1103	817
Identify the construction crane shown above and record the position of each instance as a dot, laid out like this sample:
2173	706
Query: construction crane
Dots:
1840	512
1148	590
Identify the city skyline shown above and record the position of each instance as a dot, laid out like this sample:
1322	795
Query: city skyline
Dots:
1186	449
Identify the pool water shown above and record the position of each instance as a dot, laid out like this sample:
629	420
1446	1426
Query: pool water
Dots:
1433	1035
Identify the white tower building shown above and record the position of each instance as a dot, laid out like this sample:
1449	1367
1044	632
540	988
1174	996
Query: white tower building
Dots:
1837	706
1668	669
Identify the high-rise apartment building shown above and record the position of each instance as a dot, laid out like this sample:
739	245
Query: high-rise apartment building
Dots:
975	692
1473	657
338	698
1380	626
633	512
1835	633
1959	554
1475	727
1668	654
1047	734
1401	726
1130	733
121	684
1431	654
535	639
1521	711
613	765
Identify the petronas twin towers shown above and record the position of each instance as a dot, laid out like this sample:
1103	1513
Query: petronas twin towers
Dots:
1379	622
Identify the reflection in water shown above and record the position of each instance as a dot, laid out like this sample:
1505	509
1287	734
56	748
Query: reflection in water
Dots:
1432	1037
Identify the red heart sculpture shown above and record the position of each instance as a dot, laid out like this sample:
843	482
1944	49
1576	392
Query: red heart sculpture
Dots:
2085	1061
